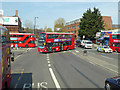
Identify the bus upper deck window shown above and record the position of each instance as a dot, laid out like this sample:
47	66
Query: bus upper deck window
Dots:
63	36
48	36
56	35
53	36
71	36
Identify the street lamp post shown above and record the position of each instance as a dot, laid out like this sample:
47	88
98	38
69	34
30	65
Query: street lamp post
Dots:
35	23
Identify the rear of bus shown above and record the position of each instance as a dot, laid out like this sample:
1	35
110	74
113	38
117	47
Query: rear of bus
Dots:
114	42
5	58
22	39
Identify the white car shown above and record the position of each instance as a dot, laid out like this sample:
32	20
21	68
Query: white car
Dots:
86	44
105	49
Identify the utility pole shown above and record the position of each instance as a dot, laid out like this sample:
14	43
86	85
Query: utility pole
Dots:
35	23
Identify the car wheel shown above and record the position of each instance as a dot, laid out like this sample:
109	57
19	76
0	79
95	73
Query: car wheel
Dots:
67	48
104	51
53	50
26	46
97	50
107	86
116	50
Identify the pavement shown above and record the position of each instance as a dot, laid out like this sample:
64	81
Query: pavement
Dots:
66	69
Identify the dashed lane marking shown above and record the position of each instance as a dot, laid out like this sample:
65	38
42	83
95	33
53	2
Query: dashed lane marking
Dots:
48	61
106	57
49	65
54	79
76	50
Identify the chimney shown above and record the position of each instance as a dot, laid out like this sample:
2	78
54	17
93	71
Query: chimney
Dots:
16	14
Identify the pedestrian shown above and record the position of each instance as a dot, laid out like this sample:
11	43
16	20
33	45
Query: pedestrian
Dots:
16	46
12	46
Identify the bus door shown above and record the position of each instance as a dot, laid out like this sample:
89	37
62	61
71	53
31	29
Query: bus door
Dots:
61	46
48	46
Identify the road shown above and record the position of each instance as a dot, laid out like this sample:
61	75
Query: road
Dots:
66	69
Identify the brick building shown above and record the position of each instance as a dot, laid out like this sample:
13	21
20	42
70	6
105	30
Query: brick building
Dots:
13	23
73	26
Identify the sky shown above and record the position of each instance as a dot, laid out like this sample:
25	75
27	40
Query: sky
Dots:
48	12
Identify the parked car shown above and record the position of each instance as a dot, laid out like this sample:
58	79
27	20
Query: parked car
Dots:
86	44
105	49
112	83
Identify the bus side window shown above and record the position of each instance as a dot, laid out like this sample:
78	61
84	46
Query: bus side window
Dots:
71	36
111	44
53	36
64	44
56	35
48	36
56	44
67	43
59	36
70	43
64	36
53	44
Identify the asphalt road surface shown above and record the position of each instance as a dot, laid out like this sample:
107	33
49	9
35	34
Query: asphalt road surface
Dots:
66	69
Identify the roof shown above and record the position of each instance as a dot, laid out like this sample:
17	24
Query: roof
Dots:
56	33
22	33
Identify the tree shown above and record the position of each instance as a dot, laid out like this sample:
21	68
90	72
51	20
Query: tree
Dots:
49	30
91	23
28	26
59	25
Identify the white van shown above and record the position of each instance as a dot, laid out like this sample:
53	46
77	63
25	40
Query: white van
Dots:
86	44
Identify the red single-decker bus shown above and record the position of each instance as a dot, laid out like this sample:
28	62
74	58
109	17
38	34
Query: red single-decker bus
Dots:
114	42
22	40
51	42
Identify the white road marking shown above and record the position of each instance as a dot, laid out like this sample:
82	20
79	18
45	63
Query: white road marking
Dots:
92	53
106	57
103	66
18	56
76	50
49	65
47	57
54	79
48	61
32	85
38	86
74	53
92	63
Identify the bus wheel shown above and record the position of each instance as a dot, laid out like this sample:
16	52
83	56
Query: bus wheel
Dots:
67	48
26	46
53	50
116	50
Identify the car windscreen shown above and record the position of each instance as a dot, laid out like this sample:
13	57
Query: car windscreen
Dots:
88	42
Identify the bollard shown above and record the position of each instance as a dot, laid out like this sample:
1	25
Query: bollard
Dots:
84	52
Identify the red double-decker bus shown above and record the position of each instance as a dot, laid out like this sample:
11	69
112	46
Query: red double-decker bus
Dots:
22	40
114	42
5	58
52	42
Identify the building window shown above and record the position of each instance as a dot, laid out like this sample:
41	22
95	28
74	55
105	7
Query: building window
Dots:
68	27
78	26
72	27
75	27
68	31
71	31
75	31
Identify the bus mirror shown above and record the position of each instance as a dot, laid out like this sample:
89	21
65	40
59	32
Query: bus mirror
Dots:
12	59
